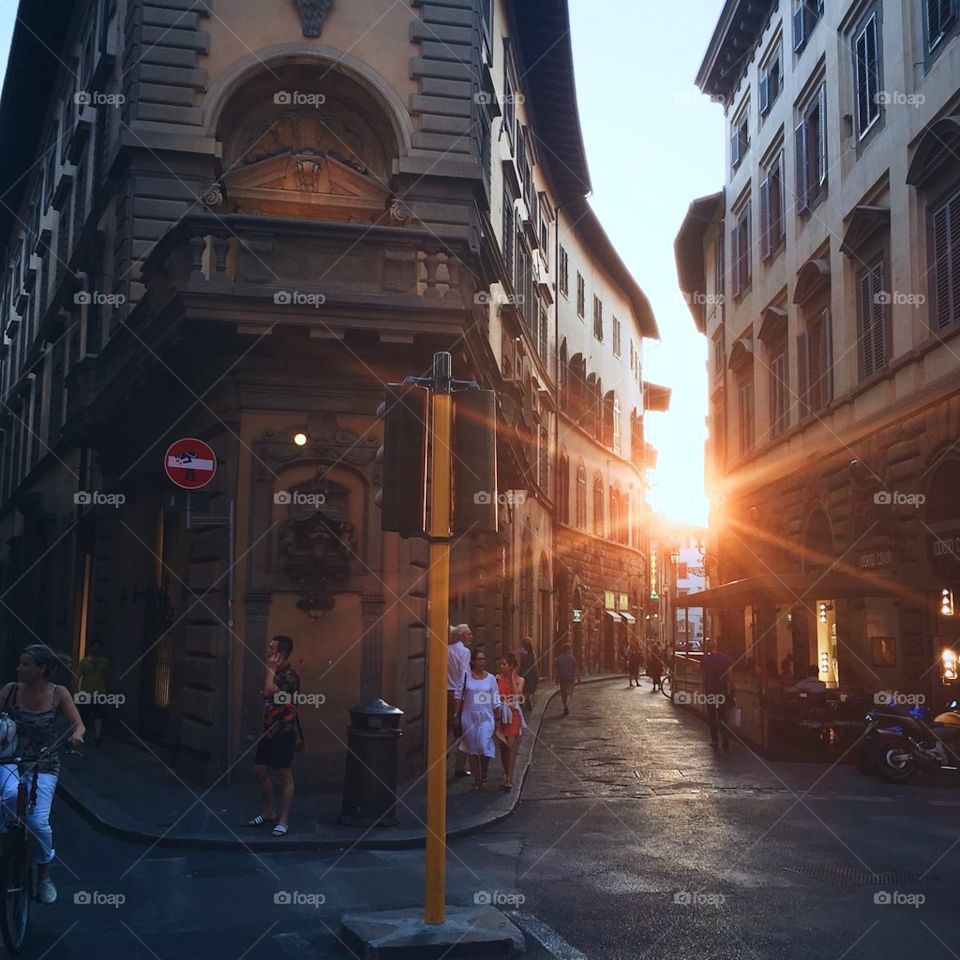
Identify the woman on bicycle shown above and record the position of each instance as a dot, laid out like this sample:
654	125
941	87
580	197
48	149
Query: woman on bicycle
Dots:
35	704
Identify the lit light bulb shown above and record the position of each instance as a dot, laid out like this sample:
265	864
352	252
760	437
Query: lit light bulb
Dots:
946	603
300	439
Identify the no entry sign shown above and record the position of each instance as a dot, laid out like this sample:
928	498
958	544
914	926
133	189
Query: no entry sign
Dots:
190	463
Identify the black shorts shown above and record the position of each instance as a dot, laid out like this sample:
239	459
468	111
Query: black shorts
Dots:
276	751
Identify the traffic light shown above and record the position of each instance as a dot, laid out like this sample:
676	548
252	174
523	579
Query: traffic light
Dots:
403	496
474	462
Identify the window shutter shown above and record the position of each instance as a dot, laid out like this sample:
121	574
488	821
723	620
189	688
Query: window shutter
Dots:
822	145
735	147
781	200
766	233
748	245
825	358
803	179
803	374
881	345
799	28
946	262
862	69
764	92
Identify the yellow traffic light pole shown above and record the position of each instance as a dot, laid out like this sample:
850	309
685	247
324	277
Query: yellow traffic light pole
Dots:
441	422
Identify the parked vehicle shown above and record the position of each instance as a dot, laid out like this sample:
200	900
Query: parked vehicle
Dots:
901	741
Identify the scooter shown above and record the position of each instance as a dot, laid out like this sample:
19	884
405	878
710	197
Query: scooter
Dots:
900	741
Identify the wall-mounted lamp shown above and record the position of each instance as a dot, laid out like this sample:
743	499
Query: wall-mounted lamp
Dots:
300	439
824	662
948	664
946	603
822	609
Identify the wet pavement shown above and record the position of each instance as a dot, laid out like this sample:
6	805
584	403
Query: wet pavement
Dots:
633	839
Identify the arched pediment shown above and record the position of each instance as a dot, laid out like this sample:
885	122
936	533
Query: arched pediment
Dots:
811	278
741	353
936	153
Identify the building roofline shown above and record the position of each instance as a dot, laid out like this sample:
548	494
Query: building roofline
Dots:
734	39
688	251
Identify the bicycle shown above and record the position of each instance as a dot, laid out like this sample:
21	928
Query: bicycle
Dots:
18	875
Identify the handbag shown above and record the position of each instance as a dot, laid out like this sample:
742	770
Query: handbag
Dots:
9	739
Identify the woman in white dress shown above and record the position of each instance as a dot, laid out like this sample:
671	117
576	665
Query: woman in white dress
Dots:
478	709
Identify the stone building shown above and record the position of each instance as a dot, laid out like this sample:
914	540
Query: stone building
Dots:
826	279
235	222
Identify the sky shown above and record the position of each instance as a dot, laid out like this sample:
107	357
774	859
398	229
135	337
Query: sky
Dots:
654	144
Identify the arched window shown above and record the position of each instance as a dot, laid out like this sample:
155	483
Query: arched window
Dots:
581	498
598	506
617	427
615	514
563	488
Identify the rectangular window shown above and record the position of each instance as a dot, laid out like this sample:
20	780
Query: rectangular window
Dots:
719	356
811	141
867	74
544	232
871	319
806	15
941	16
509	98
544	337
814	358
945	272
778	391
563	272
508	230
617	347
740	135
771	78
598	318
772	201
581	297
617	426
745	393
742	244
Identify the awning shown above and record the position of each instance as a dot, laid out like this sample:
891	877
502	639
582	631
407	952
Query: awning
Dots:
801	588
628	617
613	615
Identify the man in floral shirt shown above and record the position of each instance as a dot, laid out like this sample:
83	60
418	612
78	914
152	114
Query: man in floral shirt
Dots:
274	757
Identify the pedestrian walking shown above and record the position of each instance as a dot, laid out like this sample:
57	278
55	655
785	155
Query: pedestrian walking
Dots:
655	667
35	705
634	663
716	667
458	666
92	688
511	686
568	673
530	673
478	708
281	724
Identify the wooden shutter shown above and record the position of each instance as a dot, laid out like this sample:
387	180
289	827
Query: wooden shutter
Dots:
764	92
822	134
946	262
766	233
803	177
508	232
870	304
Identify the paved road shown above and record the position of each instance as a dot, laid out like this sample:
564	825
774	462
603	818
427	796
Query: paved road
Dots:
634	839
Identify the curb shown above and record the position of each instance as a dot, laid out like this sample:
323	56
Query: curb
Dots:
126	828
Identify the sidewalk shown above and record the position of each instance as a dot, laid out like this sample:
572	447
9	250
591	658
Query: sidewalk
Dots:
127	792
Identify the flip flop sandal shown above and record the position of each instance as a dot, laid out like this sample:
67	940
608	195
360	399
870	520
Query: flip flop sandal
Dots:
259	821
279	830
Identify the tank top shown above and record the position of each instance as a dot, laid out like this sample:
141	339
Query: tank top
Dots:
36	729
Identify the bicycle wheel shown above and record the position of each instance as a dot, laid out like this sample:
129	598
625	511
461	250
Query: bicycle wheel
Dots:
15	878
665	686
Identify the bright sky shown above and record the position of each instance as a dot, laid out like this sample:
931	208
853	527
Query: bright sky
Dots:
653	144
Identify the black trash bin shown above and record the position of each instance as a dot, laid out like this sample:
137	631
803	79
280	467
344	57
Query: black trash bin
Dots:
370	782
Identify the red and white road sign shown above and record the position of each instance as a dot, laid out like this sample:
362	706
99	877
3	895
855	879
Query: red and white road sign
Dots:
190	463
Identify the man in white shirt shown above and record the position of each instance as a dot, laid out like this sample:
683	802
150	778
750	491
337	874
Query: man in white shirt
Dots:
811	683
458	666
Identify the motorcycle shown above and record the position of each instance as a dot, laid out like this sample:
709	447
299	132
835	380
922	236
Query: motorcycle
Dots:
900	741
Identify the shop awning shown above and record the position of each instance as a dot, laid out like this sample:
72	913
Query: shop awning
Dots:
613	615
628	617
800	588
